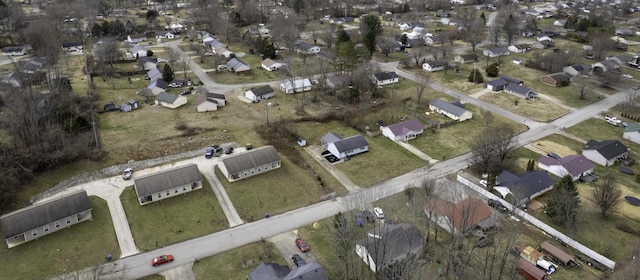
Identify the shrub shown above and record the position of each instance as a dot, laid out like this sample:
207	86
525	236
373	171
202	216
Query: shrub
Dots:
492	70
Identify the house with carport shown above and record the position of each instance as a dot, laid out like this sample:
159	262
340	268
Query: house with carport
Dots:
388	244
256	94
524	187
46	217
250	163
460	217
575	166
170	100
453	110
167	184
348	147
605	153
632	132
403	131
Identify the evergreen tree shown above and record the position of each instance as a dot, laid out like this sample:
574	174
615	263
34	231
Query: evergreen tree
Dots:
341	35
564	203
167	73
370	28
492	70
477	76
483	18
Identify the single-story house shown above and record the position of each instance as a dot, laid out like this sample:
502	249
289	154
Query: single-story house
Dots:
298	85
138	51
328	138
453	110
556	79
512	80
166	184
385	78
341	20
306	48
432	39
154	74
72	46
260	93
220	99
575	166
496	85
387	244
520	48
204	104
544	44
158	86
238	66
466	58
605	153
632	132
42	218
271	65
495	52
212	42
348	147
221	50
559	22
136	38
165	35
250	163
15	50
605	65
525	187
170	100
410	25
525	92
460	217
274	271
403	131
148	64
576	69
624	32
326	56
434	66
338	81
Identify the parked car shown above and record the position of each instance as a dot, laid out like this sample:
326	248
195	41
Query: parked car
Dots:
378	212
186	92
229	151
370	216
127	173
359	219
208	54
298	260
161	260
553	155
302	245
209	153
497	205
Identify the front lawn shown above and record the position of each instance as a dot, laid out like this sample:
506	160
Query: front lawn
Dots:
175	219
78	247
237	263
539	109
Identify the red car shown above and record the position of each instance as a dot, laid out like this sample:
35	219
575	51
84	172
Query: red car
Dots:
161	260
302	245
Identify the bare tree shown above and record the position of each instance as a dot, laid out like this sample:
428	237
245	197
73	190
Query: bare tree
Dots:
504	141
422	82
630	97
606	195
584	84
417	54
482	150
473	34
495	33
510	29
327	35
601	43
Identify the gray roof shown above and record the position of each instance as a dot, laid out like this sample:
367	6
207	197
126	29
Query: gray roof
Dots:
515	88
165	180
511	80
310	271
574	164
269	271
609	149
382	76
40	214
330	138
167	97
406	127
470	56
249	159
350	143
262	90
303	46
497	83
448	107
237	65
396	242
526	184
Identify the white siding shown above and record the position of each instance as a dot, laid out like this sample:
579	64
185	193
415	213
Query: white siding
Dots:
596	157
632	136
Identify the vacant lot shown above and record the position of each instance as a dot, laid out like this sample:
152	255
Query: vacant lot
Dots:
286	188
539	109
80	246
174	219
598	129
237	263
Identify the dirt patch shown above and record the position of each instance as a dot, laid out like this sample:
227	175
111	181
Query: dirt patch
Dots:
552	147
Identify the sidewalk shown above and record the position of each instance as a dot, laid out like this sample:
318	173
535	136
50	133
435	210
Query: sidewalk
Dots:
416	152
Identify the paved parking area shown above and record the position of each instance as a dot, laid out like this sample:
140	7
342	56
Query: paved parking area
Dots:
286	245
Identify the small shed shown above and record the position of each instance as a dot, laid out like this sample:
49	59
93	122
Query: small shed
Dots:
302	142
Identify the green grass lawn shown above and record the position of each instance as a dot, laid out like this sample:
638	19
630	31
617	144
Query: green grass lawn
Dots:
286	188
174	219
80	246
600	130
237	263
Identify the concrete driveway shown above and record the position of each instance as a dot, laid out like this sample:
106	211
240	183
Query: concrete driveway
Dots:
286	244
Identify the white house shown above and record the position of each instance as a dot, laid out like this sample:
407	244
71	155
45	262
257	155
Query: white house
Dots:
347	147
575	166
434	66
632	132
136	38
259	93
165	35
306	48
403	131
72	46
15	50
138	51
170	100
385	78
495	52
605	153
299	85
520	48
453	110
416	33
271	65
204	104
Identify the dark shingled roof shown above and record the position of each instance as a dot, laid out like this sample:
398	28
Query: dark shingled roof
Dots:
397	241
158	182
448	107
350	143
310	271
575	164
167	97
269	271
608	149
249	159
526	184
40	214
259	91
386	76
405	127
